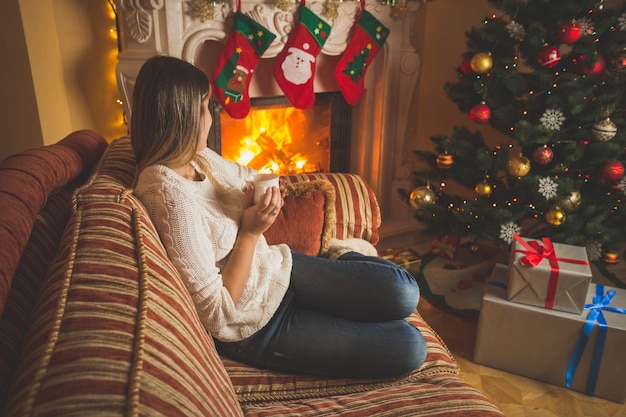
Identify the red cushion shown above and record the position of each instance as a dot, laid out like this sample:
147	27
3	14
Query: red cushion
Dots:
307	220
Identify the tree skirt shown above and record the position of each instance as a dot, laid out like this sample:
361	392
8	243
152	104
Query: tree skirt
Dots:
457	284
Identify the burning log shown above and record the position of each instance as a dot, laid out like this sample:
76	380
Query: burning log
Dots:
270	153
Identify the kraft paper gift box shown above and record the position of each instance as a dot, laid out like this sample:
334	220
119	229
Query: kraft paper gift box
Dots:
541	344
403	257
548	275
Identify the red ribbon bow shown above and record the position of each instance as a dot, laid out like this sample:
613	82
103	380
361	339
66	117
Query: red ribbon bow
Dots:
535	253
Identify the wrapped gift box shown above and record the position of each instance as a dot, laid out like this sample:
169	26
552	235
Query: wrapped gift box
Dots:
403	257
540	343
548	275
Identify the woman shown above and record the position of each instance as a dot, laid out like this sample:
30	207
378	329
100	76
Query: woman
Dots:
264	304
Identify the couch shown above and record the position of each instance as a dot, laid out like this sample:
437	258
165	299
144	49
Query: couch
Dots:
96	321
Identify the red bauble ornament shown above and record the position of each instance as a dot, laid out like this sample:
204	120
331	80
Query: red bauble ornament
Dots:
596	69
445	160
480	113
543	155
549	56
612	171
466	66
570	32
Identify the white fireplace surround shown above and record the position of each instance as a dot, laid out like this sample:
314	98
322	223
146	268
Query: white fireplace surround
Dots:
379	121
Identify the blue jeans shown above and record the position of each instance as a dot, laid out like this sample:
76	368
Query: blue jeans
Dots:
340	318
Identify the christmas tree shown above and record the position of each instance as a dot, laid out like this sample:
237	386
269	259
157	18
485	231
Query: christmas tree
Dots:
550	76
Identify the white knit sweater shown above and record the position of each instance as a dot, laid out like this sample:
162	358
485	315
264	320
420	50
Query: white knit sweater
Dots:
198	222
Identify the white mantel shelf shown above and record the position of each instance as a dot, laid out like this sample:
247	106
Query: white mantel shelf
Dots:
379	121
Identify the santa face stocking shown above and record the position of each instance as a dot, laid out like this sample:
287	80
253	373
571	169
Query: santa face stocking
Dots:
295	68
369	36
233	73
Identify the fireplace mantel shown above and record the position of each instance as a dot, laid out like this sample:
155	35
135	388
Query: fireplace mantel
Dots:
379	123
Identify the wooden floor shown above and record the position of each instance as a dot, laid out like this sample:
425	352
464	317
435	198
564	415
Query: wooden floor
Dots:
516	396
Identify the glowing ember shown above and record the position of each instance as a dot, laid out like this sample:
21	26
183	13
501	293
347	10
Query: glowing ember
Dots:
280	139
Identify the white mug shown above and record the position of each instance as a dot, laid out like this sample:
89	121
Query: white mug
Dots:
261	183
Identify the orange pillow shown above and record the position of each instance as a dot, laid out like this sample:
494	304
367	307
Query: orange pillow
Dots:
307	220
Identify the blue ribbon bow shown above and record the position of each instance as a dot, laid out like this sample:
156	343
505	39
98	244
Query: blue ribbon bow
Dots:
600	302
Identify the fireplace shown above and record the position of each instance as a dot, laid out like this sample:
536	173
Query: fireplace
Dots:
373	134
277	137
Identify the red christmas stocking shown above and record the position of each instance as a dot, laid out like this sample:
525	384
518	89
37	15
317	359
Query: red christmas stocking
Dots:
295	69
233	73
369	36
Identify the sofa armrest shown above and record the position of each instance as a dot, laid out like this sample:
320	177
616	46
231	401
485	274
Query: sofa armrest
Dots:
320	207
26	181
357	213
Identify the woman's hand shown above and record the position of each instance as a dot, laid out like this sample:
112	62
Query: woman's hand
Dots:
257	218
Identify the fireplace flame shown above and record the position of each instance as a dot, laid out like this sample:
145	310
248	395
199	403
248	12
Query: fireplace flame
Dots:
267	141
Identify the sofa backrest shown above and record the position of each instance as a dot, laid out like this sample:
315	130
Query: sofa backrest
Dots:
27	179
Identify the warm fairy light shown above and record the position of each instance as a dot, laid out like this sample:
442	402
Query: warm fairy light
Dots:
112	58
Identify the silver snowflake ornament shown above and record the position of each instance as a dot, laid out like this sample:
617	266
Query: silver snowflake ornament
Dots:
586	25
547	187
508	230
622	185
516	31
552	119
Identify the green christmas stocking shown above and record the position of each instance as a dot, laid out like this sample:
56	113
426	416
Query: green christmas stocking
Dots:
295	68
233	73
369	36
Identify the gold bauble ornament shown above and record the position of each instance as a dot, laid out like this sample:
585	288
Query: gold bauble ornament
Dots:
555	217
571	203
483	189
481	62
604	130
609	257
518	166
421	196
